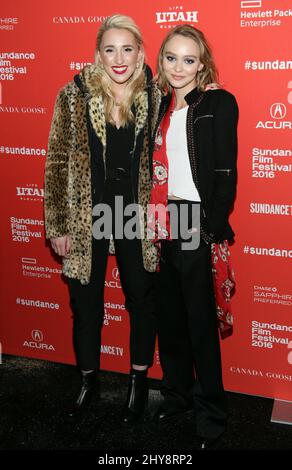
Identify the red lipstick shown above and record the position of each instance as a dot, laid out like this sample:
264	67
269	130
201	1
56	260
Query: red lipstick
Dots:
120	69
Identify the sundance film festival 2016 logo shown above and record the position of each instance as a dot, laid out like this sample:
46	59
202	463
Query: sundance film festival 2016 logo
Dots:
25	229
174	16
270	163
267	335
8	70
112	316
36	342
278	113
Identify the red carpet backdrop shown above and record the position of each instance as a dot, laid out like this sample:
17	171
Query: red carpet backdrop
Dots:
43	44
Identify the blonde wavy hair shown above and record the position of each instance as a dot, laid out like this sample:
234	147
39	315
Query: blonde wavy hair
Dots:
134	85
207	75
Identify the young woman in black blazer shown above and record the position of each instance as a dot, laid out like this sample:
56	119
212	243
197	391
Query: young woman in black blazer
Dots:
194	166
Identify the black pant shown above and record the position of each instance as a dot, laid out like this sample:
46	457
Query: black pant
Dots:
188	336
87	301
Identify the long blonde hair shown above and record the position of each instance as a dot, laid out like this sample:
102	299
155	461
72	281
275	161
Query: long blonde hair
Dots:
135	84
207	75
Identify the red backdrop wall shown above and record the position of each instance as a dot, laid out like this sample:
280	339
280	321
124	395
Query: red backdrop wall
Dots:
42	46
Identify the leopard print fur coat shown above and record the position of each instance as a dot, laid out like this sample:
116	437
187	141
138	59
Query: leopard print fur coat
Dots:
68	199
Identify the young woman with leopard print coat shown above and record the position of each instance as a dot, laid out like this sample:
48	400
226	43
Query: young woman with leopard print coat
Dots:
98	150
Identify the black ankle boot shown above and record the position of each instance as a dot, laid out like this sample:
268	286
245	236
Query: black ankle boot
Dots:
137	397
89	386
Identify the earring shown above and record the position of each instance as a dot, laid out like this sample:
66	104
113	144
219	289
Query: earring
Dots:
138	65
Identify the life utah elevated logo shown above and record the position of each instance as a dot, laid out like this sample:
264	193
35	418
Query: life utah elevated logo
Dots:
171	16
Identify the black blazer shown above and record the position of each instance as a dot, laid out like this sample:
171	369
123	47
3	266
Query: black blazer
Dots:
212	145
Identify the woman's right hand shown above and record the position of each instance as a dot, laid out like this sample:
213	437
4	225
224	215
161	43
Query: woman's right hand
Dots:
62	245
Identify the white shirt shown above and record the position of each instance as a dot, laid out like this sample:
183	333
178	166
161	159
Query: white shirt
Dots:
180	180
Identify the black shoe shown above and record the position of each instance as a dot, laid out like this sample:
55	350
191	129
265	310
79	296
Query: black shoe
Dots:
137	397
163	414
89	386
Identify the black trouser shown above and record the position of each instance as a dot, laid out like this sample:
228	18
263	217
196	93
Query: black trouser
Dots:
188	336
87	301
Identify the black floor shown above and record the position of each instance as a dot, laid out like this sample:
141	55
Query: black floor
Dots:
34	394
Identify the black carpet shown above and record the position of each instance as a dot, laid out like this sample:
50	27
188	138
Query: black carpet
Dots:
34	394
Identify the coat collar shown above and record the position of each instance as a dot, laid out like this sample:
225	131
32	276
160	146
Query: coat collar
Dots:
194	96
86	82
141	111
88	78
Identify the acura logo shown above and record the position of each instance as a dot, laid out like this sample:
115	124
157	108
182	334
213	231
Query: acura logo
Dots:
116	274
37	335
278	111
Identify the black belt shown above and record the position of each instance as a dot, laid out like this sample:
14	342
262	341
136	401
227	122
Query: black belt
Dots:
117	174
